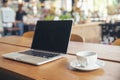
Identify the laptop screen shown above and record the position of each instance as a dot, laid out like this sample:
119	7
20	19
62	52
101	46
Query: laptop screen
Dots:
52	35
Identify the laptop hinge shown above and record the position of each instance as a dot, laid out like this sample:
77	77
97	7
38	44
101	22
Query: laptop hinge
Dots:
46	51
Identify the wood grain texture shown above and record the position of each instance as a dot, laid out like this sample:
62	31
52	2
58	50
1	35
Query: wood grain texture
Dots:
106	52
17	41
55	70
5	73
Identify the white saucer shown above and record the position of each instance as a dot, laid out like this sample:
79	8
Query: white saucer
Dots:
98	65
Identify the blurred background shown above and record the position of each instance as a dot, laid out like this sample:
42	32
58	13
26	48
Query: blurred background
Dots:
86	8
98	18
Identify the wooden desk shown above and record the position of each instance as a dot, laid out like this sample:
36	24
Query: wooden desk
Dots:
106	52
5	63
17	41
56	70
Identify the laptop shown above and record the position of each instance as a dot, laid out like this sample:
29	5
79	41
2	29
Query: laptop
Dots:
50	42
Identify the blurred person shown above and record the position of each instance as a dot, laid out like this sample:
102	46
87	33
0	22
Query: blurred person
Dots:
29	11
83	16
63	11
44	13
7	16
76	15
51	14
19	18
118	34
95	14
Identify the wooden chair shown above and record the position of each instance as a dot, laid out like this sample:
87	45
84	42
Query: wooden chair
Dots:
116	42
77	38
29	34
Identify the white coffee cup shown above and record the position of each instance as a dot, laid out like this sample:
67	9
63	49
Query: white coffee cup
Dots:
86	58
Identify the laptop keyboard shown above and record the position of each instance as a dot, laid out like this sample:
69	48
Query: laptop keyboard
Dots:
40	54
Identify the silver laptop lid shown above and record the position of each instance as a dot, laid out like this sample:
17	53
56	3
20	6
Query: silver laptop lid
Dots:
52	36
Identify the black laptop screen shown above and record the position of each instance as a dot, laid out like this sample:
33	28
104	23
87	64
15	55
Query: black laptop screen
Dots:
52	36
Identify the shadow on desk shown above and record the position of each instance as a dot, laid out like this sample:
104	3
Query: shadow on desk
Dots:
8	75
4	76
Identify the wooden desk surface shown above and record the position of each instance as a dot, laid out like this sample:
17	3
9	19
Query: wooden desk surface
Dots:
6	64
106	52
56	70
16	40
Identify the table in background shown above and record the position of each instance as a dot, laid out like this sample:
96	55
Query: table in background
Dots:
106	52
56	70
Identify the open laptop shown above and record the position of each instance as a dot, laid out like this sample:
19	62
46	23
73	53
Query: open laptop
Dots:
50	42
